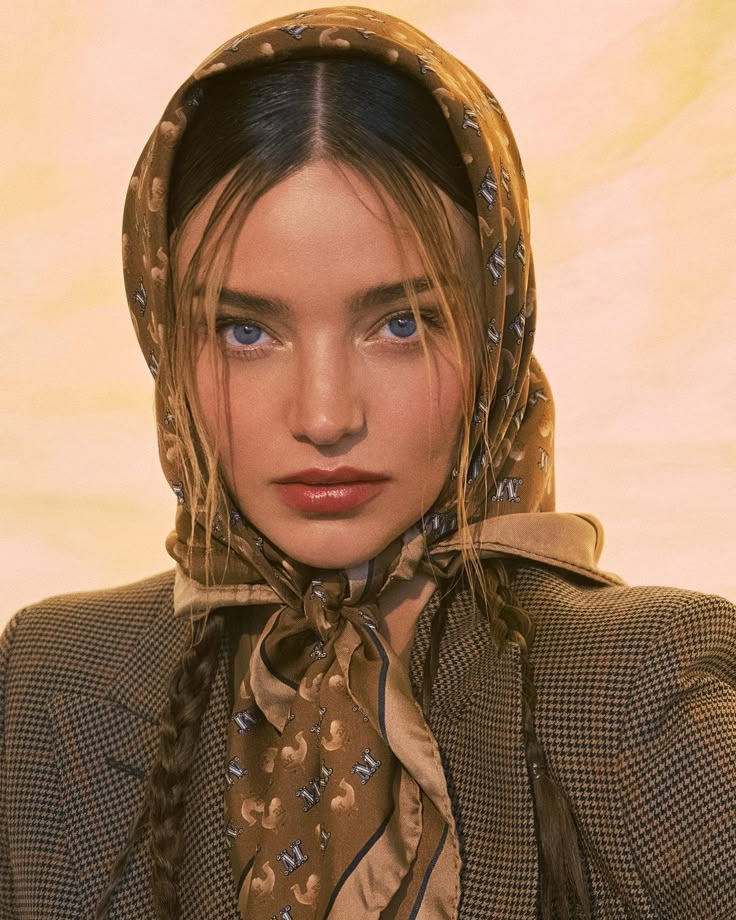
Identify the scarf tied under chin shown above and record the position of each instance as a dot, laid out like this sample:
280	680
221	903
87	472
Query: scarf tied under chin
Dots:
335	800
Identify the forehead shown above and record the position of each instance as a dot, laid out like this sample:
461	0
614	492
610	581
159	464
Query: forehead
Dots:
321	216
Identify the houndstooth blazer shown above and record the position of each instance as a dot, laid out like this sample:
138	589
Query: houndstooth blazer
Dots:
636	711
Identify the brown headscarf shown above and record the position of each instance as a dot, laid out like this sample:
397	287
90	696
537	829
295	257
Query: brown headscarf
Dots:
335	796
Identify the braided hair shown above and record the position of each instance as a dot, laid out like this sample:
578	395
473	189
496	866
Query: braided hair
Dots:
164	799
563	889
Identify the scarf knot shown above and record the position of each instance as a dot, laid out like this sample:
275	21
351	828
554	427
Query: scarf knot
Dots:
324	606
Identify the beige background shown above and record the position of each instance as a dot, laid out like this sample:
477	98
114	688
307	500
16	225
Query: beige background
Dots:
623	112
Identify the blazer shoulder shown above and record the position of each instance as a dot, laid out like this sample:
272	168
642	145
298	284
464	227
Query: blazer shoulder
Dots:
84	633
596	648
676	761
636	711
576	619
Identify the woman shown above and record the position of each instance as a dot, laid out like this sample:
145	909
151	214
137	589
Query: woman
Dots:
386	677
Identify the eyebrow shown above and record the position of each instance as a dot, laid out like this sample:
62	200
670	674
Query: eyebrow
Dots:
378	296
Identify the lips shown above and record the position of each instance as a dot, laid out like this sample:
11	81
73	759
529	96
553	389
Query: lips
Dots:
342	474
330	491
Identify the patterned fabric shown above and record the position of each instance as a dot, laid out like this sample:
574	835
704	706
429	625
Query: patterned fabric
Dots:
280	775
405	858
636	710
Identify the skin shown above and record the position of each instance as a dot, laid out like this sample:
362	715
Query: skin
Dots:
326	386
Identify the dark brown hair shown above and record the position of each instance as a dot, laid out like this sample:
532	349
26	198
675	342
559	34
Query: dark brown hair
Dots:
280	117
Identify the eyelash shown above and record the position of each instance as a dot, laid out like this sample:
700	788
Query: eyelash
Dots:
431	319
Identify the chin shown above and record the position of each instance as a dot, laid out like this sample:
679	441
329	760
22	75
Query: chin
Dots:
335	550
335	559
336	543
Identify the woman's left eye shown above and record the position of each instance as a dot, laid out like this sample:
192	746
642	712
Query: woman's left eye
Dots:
404	325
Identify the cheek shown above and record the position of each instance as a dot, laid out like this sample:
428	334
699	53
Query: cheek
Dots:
208	387
215	402
431	411
239	411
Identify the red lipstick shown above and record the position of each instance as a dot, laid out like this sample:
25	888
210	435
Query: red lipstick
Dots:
322	491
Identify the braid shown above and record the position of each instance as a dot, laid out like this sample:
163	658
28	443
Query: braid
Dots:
562	882
189	693
164	800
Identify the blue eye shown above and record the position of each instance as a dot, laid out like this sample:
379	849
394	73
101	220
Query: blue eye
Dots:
403	326
245	334
242	339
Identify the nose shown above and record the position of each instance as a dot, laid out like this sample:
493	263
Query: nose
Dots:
327	402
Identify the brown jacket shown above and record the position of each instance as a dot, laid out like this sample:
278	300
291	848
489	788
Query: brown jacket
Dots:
636	710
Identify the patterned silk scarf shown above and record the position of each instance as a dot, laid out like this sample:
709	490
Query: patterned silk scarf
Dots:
337	807
334	794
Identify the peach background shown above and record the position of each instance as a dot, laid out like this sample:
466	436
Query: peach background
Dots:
623	113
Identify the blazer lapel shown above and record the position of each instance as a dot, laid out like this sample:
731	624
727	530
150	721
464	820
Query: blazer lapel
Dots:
476	716
104	752
106	747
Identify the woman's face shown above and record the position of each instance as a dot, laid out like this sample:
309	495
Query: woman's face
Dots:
324	370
